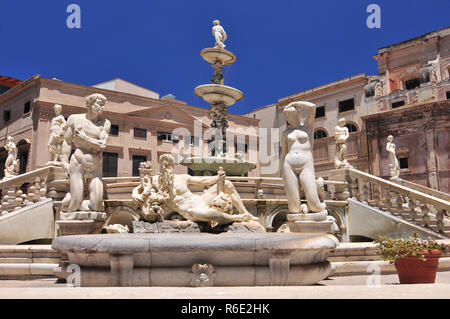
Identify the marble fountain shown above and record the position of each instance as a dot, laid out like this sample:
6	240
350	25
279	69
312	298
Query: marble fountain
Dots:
219	243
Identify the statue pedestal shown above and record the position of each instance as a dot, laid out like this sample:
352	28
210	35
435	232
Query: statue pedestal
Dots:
80	223
310	223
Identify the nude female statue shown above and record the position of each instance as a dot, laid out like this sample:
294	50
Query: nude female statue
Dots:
394	168
213	206
297	158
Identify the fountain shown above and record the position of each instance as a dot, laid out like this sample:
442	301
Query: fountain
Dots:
214	246
220	97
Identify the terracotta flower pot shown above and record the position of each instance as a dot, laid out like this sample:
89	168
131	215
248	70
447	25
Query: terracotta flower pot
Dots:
412	270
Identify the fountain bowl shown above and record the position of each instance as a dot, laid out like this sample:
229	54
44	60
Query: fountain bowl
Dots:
218	94
198	260
211	55
208	166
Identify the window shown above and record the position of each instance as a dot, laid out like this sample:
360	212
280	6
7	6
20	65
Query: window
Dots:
448	95
26	107
398	104
193	141
140	132
346	105
403	162
137	160
166	137
23	161
320	134
114	130
412	84
320	112
6	115
110	161
241	148
351	128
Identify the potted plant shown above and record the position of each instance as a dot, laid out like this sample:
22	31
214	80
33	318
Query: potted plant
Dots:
416	260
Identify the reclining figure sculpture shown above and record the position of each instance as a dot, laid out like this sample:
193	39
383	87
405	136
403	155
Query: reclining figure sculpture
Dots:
214	206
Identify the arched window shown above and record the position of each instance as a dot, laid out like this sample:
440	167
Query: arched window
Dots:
320	134
351	128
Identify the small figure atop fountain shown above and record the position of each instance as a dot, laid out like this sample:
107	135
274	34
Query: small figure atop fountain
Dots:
58	129
341	135
219	34
394	168
11	163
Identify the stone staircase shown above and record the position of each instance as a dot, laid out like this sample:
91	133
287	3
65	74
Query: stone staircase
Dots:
27	261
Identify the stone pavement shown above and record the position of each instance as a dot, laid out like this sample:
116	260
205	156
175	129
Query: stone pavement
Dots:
351	287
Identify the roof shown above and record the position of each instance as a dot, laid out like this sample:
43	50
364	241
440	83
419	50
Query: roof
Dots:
9	81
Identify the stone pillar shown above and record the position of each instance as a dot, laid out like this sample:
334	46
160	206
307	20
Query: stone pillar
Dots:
431	156
121	270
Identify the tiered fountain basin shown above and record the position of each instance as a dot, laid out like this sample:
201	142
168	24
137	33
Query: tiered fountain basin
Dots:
218	94
211	55
198	259
208	166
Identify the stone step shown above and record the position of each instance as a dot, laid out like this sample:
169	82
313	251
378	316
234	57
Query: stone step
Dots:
28	260
351	268
22	271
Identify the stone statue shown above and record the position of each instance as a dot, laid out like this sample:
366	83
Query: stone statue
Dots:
297	158
341	135
146	197
394	167
117	229
214	206
219	34
11	163
379	89
57	129
87	134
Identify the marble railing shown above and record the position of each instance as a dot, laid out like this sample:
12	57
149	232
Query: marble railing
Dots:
26	189
410	204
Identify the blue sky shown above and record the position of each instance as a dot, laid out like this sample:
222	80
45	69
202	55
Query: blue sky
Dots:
282	47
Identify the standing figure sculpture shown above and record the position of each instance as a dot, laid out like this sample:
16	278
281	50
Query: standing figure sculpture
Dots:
11	163
87	134
341	135
57	129
394	167
214	206
219	34
297	159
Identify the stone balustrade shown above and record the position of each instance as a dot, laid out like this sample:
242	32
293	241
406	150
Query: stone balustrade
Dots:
410	204
26	189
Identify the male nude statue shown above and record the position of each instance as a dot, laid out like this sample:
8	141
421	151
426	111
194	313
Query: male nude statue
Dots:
88	134
11	163
57	128
206	207
341	135
219	34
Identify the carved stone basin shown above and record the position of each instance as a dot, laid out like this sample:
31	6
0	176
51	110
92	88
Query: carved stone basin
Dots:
212	54
218	94
193	260
208	166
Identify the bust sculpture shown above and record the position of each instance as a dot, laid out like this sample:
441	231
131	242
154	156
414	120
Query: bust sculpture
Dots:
11	163
219	34
214	206
297	158
57	130
341	135
394	167
87	134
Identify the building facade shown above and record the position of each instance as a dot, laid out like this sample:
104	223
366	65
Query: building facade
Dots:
142	124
